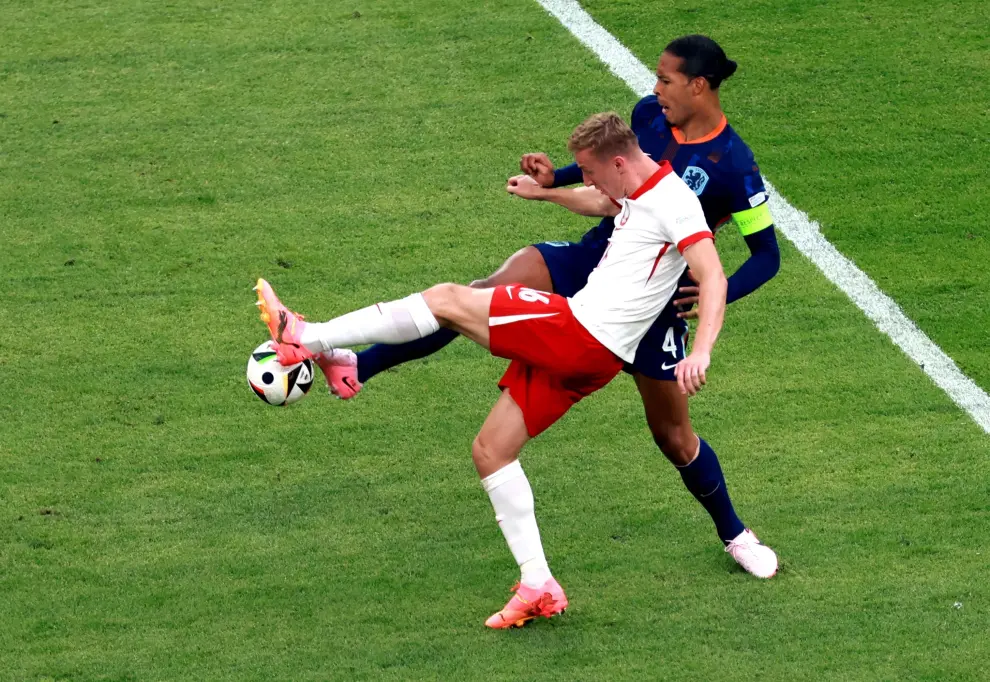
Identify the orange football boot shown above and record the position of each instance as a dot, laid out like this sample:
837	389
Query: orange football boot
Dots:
285	326
528	603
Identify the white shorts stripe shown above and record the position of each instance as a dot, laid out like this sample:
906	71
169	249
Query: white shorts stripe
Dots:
509	319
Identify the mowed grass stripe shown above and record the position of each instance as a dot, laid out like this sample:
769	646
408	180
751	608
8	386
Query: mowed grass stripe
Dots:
160	522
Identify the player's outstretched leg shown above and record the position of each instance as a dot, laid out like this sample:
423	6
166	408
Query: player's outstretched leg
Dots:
380	357
458	307
495	453
698	465
525	267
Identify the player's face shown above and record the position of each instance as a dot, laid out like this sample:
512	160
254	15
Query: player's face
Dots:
603	174
675	91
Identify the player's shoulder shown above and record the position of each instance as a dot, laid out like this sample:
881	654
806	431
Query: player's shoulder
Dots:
736	154
668	190
646	111
740	174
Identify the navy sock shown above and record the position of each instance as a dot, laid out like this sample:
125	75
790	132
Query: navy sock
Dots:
382	356
703	477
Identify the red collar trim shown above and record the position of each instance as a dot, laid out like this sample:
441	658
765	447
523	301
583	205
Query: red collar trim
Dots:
664	170
679	136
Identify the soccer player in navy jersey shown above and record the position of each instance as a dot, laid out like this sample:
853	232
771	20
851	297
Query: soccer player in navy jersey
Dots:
683	123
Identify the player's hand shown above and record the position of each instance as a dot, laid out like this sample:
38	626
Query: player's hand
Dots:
689	297
539	167
690	372
525	187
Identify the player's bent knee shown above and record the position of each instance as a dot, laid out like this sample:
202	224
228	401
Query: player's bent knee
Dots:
678	445
441	291
526	267
490	455
478	449
444	299
485	458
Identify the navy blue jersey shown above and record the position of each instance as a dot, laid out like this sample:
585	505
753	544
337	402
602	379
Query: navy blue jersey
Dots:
721	170
719	167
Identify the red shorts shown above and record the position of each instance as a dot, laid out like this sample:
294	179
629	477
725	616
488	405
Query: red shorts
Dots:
555	361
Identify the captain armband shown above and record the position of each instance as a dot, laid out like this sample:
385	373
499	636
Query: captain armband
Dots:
752	220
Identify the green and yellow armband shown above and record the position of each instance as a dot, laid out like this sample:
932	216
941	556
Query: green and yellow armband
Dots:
752	220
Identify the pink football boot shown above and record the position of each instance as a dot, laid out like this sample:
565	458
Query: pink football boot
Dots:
340	368
285	326
527	604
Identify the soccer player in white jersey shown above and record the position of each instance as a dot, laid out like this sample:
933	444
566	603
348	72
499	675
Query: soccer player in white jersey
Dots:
560	349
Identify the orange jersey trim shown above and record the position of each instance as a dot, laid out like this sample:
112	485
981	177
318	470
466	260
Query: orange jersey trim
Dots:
679	136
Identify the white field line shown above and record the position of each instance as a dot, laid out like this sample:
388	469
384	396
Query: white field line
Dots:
804	233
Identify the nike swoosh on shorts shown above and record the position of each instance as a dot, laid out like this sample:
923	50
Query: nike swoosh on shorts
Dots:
509	319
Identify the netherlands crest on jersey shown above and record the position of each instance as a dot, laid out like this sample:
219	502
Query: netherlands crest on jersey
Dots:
695	178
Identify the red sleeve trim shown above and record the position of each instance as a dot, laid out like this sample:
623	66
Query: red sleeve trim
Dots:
651	182
694	239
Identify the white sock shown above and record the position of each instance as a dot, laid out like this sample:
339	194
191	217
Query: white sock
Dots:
512	497
399	321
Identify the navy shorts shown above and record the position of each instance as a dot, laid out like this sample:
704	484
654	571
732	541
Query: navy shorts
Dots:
570	263
664	345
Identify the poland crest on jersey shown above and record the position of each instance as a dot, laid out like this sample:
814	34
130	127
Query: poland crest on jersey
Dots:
695	178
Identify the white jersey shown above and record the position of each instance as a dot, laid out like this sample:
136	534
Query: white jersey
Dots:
638	273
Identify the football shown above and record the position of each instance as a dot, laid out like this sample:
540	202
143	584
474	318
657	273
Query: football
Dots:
275	383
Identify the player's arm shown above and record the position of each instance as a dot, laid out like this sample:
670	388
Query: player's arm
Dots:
751	214
761	266
568	175
586	201
756	226
539	167
703	260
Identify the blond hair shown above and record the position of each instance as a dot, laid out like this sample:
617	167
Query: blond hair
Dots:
606	135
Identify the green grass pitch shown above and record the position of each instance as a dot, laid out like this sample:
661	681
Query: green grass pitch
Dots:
158	522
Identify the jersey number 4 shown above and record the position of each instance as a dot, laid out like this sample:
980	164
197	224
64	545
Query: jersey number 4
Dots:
669	345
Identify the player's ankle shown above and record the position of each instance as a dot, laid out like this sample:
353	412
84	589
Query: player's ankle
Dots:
535	573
